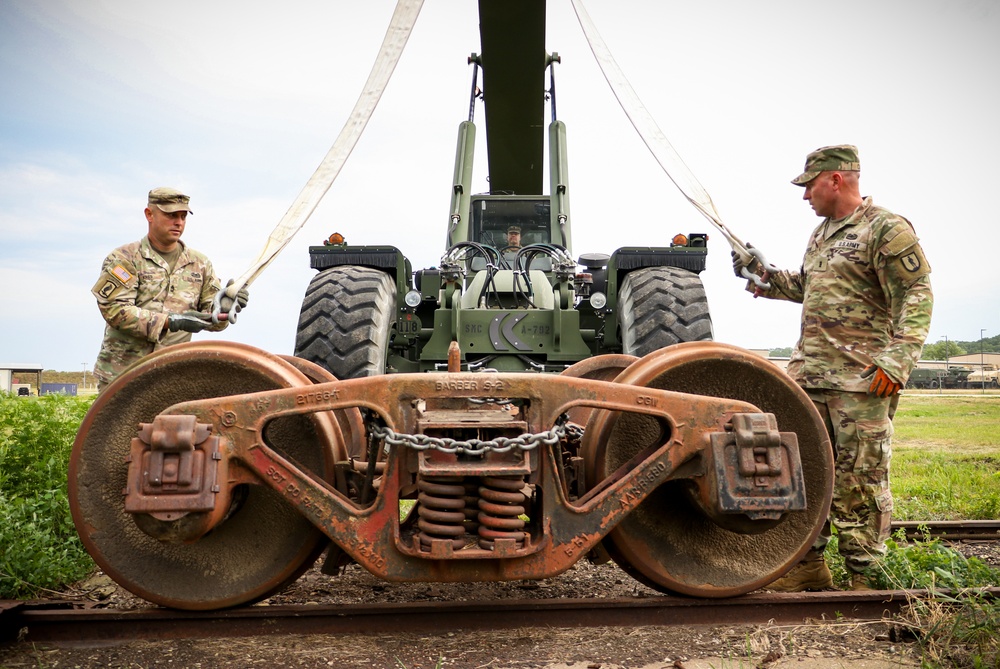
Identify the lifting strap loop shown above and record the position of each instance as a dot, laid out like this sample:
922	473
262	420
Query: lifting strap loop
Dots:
650	133
401	25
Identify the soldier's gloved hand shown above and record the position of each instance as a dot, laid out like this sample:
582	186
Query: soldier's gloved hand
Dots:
881	384
742	259
226	303
189	321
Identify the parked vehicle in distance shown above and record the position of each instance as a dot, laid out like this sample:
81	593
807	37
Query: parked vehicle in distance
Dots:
987	377
953	377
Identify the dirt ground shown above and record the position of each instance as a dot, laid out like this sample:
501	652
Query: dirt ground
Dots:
818	645
844	644
848	645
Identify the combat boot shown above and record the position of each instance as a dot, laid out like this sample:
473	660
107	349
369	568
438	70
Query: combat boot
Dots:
859	581
810	574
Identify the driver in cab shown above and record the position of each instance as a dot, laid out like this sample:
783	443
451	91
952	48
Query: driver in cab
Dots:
513	238
513	242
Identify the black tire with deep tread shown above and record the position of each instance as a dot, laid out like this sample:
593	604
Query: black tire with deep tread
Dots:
661	306
345	321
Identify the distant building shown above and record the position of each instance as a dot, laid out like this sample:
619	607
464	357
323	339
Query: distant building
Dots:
764	353
973	361
7	372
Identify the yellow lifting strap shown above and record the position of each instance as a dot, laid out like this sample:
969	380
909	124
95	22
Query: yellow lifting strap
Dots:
650	133
400	26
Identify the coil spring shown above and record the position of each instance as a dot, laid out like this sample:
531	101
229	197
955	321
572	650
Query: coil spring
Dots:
502	501
441	510
471	506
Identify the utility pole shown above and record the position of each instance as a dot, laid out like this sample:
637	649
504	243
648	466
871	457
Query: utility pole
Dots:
84	375
946	366
982	360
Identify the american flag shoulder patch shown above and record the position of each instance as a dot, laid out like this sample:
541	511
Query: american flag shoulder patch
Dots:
121	274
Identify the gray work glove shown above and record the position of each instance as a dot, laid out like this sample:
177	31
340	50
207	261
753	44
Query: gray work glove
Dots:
189	321
742	259
227	303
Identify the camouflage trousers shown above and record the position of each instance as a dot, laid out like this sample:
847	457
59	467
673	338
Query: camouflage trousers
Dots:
860	428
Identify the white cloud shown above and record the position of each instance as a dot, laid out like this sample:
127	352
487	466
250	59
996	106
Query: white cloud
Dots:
105	100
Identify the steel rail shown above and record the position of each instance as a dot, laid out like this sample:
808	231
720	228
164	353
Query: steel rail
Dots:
950	530
52	622
64	621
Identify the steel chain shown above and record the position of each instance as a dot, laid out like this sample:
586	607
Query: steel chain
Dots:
423	442
574	432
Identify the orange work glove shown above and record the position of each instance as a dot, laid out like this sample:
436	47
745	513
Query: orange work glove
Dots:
881	384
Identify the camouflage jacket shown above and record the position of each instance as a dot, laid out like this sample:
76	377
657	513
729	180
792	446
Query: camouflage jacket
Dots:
866	298
136	291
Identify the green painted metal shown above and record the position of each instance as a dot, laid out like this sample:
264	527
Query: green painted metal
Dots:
559	183
514	59
461	190
499	328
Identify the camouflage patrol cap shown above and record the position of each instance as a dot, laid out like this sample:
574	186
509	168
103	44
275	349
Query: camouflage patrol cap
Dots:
169	200
514	228
840	158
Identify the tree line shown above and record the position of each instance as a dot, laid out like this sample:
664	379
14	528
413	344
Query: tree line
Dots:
939	350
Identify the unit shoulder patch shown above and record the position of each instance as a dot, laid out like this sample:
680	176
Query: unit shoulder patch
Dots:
113	281
911	265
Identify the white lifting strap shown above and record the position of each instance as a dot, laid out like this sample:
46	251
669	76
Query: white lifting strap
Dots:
650	133
398	32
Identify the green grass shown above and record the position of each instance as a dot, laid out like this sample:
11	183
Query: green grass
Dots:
41	549
945	466
966	423
946	458
933	485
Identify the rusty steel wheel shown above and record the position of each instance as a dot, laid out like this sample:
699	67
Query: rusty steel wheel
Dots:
352	424
260	547
669	542
601	367
605	367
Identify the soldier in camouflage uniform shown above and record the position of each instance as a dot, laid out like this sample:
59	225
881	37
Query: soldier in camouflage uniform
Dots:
155	292
866	301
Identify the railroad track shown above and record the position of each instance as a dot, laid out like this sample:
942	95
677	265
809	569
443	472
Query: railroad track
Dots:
57	622
951	530
60	621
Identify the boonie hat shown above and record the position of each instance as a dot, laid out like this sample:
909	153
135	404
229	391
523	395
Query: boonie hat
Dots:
169	200
839	158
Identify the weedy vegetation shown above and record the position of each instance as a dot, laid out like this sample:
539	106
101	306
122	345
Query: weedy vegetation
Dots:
40	547
959	625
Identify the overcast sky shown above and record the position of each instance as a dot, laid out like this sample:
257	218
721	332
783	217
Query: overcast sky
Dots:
236	103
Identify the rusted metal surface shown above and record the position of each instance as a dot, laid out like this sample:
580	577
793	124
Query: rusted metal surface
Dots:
494	469
260	547
679	540
756	469
352	425
371	535
54	624
600	367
